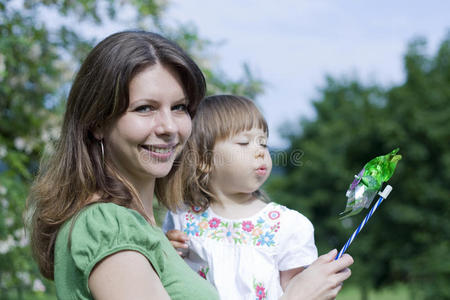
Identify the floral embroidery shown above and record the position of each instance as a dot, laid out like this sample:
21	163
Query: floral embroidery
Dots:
191	229
247	226
266	239
203	225
196	208
260	290
274	215
214	222
261	232
203	272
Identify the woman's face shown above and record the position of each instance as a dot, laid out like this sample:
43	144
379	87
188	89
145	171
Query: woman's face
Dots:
146	139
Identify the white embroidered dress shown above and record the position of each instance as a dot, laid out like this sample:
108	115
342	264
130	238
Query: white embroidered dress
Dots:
242	258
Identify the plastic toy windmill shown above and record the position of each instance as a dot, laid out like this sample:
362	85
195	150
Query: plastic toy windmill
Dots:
365	187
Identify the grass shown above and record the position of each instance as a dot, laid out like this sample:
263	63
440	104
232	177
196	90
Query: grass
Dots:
399	292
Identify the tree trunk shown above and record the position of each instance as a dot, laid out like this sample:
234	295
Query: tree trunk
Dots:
364	293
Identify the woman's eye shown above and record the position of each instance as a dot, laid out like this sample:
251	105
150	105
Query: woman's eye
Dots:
180	107
263	145
144	108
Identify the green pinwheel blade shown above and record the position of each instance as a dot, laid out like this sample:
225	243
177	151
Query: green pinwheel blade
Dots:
368	182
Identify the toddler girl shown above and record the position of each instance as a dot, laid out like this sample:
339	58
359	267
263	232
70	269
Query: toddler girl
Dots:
246	247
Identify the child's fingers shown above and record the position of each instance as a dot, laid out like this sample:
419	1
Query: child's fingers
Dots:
342	263
177	245
334	292
326	258
177	235
343	275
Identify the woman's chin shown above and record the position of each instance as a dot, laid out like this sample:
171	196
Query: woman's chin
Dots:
160	171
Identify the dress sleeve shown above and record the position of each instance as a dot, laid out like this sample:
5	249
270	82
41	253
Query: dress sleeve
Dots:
104	229
168	223
172	221
297	247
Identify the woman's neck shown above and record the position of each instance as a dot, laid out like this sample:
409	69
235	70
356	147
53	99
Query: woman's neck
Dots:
145	191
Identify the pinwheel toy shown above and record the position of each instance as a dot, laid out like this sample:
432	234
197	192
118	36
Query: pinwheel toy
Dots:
365	187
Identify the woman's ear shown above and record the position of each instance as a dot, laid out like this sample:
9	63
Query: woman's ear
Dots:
97	131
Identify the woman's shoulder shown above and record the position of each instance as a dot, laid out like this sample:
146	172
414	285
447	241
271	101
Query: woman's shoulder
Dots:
109	219
105	208
101	229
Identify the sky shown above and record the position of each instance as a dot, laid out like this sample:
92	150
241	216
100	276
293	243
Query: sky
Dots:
293	44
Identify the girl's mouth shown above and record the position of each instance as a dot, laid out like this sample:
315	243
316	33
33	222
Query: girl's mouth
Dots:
261	171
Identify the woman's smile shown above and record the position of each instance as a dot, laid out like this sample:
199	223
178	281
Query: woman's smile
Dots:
160	152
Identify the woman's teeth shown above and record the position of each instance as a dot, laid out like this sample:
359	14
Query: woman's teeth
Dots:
157	149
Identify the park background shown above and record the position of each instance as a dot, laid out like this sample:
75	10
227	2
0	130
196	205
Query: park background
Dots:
339	82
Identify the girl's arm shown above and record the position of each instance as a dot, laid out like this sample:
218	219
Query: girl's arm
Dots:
126	275
287	275
322	280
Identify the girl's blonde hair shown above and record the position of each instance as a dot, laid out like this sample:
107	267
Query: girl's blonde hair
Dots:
218	117
69	178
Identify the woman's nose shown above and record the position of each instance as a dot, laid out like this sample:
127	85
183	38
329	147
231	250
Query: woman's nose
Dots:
165	124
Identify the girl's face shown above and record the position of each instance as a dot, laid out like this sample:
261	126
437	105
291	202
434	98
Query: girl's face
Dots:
241	163
146	139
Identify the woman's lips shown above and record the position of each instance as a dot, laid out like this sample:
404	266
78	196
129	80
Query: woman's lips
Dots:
160	152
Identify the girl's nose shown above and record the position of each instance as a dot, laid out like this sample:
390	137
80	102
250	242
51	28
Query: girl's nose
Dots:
259	153
165	124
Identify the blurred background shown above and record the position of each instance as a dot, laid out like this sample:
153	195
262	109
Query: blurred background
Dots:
339	82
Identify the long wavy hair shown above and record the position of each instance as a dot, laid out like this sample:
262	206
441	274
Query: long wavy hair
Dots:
218	117
69	177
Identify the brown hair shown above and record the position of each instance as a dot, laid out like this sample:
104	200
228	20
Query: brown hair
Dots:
70	176
218	117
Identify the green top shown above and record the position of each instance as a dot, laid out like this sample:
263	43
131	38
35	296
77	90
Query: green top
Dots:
106	228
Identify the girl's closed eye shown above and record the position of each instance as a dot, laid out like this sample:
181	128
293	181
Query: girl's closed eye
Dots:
242	142
262	142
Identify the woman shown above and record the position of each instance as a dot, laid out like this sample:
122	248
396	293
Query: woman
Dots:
93	231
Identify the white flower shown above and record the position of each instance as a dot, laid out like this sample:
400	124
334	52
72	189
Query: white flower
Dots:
3	190
38	286
19	143
9	221
25	277
2	66
5	203
7	244
3	151
22	238
35	51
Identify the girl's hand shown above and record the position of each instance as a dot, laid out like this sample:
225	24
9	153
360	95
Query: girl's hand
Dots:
321	280
178	240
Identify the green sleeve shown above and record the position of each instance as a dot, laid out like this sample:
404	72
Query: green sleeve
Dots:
104	229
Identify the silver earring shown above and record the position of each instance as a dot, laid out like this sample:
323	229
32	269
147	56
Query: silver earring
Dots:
103	151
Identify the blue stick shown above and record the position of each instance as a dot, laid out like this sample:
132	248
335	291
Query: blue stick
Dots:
383	195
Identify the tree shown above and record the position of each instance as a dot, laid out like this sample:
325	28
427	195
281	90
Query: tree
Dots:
408	238
37	63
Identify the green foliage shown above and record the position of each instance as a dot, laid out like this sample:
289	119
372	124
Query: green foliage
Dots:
408	238
37	64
